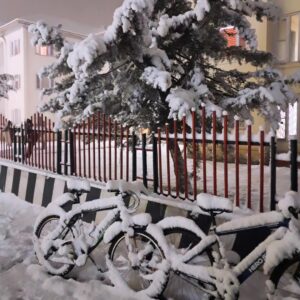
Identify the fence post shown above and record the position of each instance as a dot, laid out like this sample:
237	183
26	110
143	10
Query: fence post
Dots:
72	160
155	166
66	152
23	144
134	166
144	155
58	153
273	173
15	145
294	163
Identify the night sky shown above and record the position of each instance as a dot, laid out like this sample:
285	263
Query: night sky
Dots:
82	16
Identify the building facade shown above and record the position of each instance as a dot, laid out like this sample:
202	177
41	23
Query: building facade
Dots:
22	60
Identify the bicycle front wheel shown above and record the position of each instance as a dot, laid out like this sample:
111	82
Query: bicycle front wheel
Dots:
180	286
53	263
285	280
137	259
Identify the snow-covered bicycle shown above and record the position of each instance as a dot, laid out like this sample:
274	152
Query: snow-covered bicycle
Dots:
62	240
204	264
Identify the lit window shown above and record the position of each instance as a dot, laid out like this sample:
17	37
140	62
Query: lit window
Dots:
17	82
231	35
44	50
44	82
15	47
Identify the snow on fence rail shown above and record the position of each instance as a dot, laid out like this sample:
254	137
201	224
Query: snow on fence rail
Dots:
177	160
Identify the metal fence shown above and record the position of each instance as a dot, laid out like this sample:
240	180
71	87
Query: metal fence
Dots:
175	160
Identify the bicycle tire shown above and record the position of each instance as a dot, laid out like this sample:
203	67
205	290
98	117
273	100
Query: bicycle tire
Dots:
180	286
116	245
52	268
285	283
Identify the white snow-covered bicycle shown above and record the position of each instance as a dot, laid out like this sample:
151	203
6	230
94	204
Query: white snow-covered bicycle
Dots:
62	240
204	265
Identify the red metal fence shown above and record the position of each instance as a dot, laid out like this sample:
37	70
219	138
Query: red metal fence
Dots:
176	160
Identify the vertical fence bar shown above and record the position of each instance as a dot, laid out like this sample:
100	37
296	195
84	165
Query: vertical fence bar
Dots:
249	162
116	152
175	130
237	161
144	156
75	149
72	157
104	147
127	153
261	169
168	158
99	145
14	156
159	160
134	162
203	130
79	151
155	168
46	143
39	140
194	153
35	140
294	164
84	153
185	173
22	144
89	146
50	143
58	152
42	140
1	139
66	152
53	147
214	151
273	173
121	152
225	132
109	148
94	146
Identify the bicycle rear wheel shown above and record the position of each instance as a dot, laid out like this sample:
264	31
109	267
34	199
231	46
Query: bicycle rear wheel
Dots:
180	286
51	263
286	280
138	261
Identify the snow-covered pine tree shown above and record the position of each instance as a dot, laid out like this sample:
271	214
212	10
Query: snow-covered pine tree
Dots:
161	58
5	85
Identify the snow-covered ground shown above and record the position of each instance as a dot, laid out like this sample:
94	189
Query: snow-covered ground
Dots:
21	278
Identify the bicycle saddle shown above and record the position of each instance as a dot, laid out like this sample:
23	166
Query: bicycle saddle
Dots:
215	204
78	186
123	186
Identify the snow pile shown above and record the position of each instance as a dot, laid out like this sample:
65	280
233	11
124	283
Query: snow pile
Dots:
210	203
84	53
78	185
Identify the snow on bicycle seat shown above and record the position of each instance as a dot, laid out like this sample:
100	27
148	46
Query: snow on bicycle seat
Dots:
78	185
211	203
123	186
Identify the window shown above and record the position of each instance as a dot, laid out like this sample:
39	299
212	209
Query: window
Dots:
15	47
17	82
231	34
289	123
44	82
44	50
287	33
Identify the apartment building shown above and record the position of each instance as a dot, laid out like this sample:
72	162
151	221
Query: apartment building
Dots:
19	58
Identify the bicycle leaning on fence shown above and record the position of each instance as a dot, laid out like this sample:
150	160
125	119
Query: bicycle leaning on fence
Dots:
63	240
203	262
